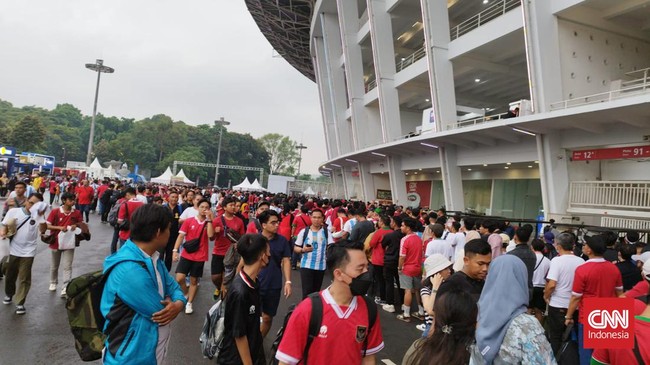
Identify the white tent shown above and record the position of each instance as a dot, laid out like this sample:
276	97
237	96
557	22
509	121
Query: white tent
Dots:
96	164
180	178
245	185
256	186
165	178
309	191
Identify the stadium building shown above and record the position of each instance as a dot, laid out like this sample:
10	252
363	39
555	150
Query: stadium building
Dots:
505	107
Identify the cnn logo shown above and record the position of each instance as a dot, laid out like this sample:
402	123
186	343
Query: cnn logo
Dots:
600	319
608	323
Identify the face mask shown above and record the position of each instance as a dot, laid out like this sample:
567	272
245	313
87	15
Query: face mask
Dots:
361	284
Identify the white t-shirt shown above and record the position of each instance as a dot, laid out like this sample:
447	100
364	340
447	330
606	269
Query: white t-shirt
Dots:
562	270
456	241
142	198
189	213
442	247
539	275
24	241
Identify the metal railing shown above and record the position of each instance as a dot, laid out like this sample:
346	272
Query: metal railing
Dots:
628	88
371	84
405	62
628	223
475	121
627	195
490	13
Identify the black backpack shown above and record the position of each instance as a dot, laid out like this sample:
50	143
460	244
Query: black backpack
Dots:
307	229
314	326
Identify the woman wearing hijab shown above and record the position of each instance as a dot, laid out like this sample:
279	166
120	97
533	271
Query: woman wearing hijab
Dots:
506	334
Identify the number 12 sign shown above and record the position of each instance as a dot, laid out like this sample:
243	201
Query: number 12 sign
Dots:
611	153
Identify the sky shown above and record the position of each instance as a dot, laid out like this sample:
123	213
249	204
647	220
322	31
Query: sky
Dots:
195	61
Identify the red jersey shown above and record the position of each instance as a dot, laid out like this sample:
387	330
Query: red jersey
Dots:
132	205
300	221
337	225
84	195
284	229
53	185
222	243
411	249
626	356
58	217
192	228
377	257
596	278
341	337
101	189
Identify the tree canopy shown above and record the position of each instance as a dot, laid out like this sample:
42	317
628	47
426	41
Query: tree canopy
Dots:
283	154
153	143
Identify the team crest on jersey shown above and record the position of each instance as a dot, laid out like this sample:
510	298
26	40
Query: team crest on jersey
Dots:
362	332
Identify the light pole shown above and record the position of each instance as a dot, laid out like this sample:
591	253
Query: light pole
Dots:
221	122
300	147
98	67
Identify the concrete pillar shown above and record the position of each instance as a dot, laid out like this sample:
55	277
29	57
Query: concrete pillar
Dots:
397	179
328	109
543	54
452	181
331	53
348	19
383	52
367	182
554	175
435	18
338	182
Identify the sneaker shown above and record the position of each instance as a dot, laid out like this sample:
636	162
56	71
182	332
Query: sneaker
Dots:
188	308
421	327
388	308
52	287
404	318
418	315
63	292
20	309
6	300
379	301
216	295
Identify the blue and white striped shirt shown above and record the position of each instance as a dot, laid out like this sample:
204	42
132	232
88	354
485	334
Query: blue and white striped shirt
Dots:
314	260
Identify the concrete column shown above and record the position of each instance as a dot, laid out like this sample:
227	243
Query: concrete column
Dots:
554	175
435	18
397	180
367	182
543	54
348	20
339	182
452	181
331	54
383	53
328	109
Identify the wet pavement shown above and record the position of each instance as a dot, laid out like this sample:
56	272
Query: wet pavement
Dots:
42	335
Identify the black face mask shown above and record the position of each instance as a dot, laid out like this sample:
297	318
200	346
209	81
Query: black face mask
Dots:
361	284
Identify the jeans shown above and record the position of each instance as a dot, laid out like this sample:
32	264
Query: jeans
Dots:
585	354
85	209
295	258
379	282
105	210
311	281
167	253
391	278
116	237
58	257
18	268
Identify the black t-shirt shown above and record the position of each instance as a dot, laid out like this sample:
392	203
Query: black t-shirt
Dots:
361	231
630	274
391	243
610	255
242	318
461	281
526	255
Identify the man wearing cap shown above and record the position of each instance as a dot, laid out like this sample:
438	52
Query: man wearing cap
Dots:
595	278
642	287
641	334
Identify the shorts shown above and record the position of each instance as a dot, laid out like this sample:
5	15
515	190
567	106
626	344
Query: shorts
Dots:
270	301
216	266
193	268
538	299
410	282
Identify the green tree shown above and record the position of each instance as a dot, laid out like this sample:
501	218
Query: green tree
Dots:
283	155
28	134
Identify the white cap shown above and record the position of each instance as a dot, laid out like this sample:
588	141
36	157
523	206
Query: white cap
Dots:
644	257
646	270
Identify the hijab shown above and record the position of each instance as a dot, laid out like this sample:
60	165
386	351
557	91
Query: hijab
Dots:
504	297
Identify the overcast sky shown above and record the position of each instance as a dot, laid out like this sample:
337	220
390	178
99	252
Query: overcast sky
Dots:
192	60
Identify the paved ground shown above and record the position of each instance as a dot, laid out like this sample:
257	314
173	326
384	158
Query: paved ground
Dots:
42	336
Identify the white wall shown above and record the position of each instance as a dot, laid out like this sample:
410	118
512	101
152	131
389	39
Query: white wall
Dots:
591	58
410	120
503	152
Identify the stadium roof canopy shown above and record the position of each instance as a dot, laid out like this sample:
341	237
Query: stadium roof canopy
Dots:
286	23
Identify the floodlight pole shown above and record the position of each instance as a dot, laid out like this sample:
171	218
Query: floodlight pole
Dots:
300	147
221	122
99	67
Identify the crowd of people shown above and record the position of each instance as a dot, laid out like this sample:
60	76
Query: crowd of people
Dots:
481	290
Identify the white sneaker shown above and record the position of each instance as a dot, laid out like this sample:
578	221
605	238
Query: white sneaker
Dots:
63	292
421	327
52	287
388	308
188	308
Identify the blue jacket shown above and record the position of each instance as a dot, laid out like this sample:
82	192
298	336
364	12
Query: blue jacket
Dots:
130	299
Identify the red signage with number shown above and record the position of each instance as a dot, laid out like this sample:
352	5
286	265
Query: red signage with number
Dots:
611	153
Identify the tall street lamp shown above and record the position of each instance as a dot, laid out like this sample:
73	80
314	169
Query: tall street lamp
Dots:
300	147
221	122
98	67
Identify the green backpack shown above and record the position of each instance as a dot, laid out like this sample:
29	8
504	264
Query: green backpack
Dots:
84	315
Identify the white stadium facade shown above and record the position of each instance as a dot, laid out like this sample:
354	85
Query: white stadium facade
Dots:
510	108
